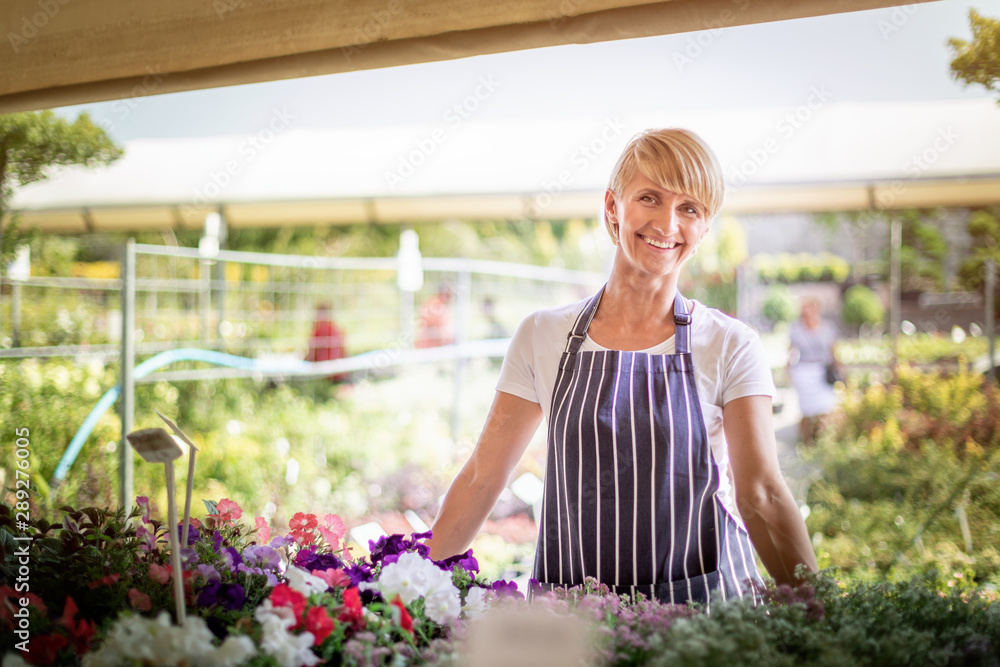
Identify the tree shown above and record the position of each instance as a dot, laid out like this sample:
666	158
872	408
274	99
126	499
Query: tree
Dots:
31	143
984	228
978	61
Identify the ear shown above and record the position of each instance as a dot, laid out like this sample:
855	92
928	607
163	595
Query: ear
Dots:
609	206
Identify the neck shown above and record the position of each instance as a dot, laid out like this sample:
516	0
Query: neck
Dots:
637	300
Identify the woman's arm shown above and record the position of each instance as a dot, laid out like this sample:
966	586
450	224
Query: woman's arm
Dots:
771	516
508	430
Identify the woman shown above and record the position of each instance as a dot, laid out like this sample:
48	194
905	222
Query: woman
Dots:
637	488
811	353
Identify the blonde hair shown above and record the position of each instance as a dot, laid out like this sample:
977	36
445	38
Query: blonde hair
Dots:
677	160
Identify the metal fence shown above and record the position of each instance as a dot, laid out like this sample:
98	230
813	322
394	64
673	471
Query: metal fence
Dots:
177	314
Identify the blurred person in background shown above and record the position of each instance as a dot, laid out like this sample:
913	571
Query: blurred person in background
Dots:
813	368
436	325
327	340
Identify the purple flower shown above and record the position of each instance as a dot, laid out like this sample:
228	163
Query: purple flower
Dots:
146	540
261	556
230	596
388	548
535	587
309	560
504	588
359	573
466	560
281	541
188	557
217	541
193	533
232	557
207	572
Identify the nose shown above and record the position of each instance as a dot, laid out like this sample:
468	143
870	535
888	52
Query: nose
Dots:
669	222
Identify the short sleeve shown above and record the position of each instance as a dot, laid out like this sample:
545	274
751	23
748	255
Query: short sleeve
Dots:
517	375
746	370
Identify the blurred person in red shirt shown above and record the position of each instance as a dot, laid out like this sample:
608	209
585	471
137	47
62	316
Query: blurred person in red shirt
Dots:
436	326
327	340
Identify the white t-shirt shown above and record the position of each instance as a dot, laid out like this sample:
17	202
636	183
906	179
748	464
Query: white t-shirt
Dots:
729	363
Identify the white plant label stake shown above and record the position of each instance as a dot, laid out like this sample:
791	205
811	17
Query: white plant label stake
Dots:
192	450
155	445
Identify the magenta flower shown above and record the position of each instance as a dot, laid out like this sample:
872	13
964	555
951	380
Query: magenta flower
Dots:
143	503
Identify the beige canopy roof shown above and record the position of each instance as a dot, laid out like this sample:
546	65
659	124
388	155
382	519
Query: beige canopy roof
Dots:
63	52
846	156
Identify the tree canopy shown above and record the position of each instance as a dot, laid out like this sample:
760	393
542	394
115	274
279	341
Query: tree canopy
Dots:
31	143
978	61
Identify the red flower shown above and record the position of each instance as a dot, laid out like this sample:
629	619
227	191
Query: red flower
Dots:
319	623
81	632
405	621
353	613
300	521
105	581
284	595
10	601
43	649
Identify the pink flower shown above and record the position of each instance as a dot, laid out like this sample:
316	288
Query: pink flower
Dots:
195	522
332	530
227	511
138	600
263	532
159	573
333	578
143	503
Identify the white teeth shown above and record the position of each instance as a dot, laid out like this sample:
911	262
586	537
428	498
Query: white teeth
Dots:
657	244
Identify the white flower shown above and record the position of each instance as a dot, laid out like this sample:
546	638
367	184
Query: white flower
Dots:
266	610
236	650
288	649
305	582
475	602
158	642
14	660
443	607
408	578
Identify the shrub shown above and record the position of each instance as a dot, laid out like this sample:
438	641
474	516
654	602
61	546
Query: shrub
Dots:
862	305
779	306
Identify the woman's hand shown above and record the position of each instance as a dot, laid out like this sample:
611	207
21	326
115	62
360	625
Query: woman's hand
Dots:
771	516
511	423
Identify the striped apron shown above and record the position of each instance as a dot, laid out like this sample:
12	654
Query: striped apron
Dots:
630	482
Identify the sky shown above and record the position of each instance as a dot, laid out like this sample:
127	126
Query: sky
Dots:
886	55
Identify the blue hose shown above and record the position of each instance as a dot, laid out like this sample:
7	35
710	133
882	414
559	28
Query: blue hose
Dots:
154	363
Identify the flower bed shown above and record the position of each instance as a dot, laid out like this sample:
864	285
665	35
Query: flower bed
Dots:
98	589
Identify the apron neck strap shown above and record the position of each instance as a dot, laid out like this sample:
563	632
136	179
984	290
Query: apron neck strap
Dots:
682	324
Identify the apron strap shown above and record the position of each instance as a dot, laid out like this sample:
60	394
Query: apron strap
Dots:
682	325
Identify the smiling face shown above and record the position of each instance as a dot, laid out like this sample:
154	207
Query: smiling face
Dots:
657	230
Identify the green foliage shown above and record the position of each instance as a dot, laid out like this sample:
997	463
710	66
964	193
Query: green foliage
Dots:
32	142
780	305
906	466
978	61
984	228
922	252
801	267
862	305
